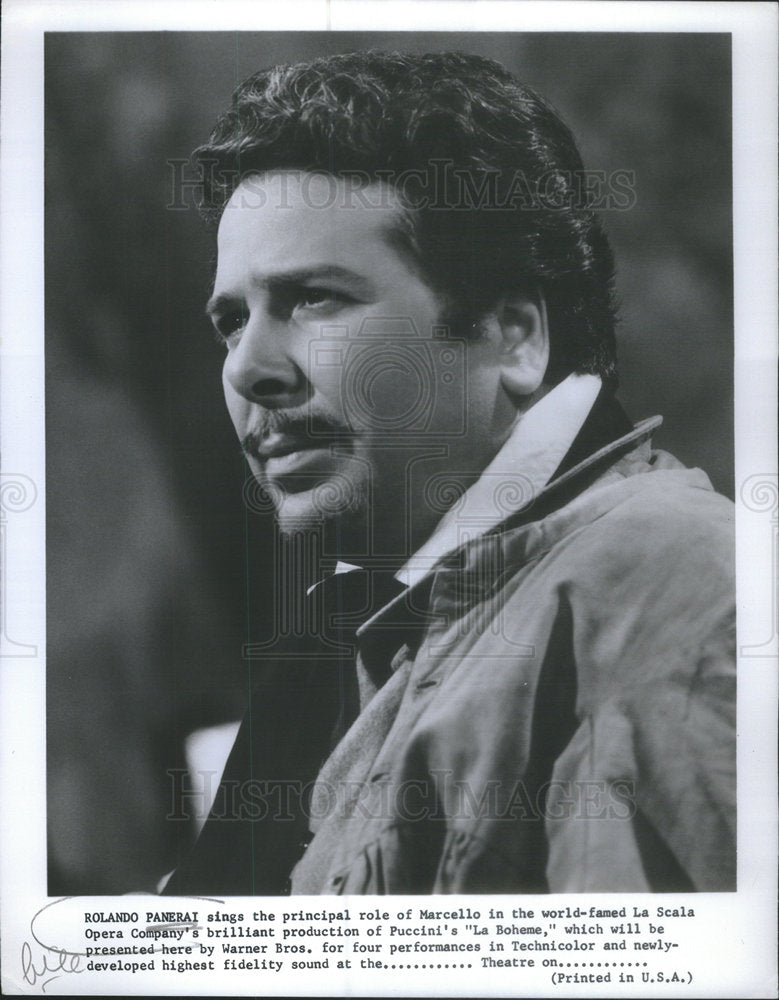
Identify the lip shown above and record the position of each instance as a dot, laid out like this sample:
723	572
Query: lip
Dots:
279	446
298	458
298	463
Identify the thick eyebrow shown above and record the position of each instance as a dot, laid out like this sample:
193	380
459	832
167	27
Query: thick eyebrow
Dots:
356	282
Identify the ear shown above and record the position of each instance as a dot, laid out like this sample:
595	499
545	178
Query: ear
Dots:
524	344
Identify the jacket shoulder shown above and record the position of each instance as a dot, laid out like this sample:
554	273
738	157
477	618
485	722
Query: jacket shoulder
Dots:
669	528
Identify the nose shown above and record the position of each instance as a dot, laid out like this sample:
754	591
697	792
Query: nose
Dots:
260	369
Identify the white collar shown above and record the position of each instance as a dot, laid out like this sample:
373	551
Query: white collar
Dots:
522	467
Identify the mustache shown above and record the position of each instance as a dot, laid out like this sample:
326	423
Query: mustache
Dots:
307	426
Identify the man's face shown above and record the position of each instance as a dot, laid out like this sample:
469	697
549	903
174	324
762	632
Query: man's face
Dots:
347	400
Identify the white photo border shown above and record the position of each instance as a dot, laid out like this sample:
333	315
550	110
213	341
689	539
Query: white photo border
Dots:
743	961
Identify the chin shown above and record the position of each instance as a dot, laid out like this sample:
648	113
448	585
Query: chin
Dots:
335	509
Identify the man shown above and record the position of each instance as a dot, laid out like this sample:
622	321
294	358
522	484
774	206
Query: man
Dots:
517	674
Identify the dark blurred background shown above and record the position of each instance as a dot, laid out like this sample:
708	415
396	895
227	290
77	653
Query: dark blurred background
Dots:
157	572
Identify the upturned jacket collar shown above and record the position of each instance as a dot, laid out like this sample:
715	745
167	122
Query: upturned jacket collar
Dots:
459	578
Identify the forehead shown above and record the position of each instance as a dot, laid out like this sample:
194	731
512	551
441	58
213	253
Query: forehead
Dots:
289	220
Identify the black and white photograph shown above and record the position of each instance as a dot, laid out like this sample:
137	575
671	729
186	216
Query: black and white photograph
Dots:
393	509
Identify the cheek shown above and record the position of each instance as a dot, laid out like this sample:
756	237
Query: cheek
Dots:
237	406
394	387
484	373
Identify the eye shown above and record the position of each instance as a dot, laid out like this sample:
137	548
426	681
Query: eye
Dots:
315	296
229	324
319	299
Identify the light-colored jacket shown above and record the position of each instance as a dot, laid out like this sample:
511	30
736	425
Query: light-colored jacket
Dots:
568	722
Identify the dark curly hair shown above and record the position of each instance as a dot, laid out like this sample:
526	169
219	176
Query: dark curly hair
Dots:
489	173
